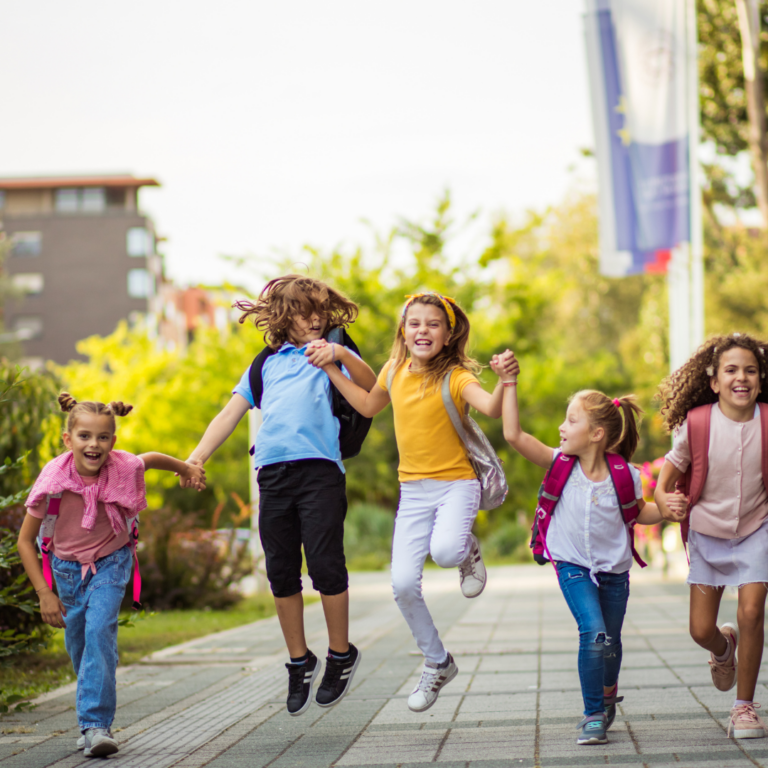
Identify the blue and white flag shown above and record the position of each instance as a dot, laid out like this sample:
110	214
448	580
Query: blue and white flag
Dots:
637	54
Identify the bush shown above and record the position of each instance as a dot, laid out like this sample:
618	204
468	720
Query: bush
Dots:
509	543
368	537
186	566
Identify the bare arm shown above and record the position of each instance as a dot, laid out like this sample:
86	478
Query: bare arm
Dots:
366	403
672	504
192	475
221	427
649	513
52	609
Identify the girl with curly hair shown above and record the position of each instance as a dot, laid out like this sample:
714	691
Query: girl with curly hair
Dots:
728	539
439	490
302	485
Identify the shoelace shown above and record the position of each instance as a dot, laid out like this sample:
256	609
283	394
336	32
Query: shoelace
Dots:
295	677
333	671
744	712
428	677
467	568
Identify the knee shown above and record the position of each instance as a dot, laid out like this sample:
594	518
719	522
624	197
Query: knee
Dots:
750	616
406	587
446	556
702	634
593	641
611	647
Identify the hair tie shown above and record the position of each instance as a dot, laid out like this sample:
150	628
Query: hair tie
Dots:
446	301
617	402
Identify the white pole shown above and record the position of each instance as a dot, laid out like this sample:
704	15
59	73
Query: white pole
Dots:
259	569
678	285
694	181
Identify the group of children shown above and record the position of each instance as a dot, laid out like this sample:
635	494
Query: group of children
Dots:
712	481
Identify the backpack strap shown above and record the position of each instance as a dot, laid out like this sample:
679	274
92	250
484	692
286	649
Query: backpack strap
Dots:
624	485
764	441
255	375
133	540
691	484
46	536
450	406
554	483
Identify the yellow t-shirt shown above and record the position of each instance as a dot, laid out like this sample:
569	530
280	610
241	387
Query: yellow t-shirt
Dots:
428	444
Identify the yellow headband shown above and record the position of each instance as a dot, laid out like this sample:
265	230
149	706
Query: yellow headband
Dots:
446	301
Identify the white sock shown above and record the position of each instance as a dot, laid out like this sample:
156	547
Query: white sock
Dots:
739	702
727	653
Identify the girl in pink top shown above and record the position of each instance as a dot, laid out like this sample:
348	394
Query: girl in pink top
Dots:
100	488
728	539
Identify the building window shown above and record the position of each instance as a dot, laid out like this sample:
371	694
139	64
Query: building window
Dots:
30	283
87	200
26	243
137	241
28	326
140	284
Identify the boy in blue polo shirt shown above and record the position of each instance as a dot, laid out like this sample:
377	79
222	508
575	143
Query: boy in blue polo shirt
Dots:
302	488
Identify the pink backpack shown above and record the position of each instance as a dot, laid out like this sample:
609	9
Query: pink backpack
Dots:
692	482
552	489
45	538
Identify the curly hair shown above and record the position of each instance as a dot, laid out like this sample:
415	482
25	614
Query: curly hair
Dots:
289	296
690	385
452	355
619	418
69	405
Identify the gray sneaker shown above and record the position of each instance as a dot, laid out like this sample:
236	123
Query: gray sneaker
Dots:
592	730
99	742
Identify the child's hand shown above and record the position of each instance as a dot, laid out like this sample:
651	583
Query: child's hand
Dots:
320	353
677	507
52	609
193	476
505	365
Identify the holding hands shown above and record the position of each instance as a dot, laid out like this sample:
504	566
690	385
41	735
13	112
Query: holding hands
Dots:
192	475
674	507
506	366
320	353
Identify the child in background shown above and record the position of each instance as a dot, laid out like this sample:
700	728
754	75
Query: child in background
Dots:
587	540
302	488
439	491
91	558
728	540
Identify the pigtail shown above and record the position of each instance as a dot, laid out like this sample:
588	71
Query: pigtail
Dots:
119	408
66	402
619	418
629	437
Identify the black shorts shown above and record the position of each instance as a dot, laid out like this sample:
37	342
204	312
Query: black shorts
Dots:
303	502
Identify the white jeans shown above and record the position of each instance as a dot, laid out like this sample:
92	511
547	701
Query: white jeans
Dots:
434	517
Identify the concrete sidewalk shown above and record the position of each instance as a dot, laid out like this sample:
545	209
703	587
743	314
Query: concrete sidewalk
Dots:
220	701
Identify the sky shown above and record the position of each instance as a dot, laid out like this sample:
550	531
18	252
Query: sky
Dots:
271	125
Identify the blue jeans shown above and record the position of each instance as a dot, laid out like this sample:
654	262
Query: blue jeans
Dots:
599	612
93	607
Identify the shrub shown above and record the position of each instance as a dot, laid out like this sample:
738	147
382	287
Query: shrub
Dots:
368	537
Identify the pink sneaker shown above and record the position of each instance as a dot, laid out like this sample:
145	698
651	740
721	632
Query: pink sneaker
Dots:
746	723
724	672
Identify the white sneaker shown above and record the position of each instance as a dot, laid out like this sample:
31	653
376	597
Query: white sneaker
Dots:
81	742
472	571
433	678
99	742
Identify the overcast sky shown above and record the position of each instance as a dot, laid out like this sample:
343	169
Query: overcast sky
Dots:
274	124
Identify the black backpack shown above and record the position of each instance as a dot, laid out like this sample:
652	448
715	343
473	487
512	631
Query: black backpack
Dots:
353	427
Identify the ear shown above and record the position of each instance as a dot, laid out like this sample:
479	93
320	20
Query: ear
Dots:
715	385
67	440
597	435
114	440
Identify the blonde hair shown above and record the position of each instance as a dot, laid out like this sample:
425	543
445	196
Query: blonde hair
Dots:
619	418
285	297
69	405
690	385
452	355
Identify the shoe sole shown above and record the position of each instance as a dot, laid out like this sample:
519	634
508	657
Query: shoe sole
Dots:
751	733
590	741
101	750
735	661
347	687
305	707
432	703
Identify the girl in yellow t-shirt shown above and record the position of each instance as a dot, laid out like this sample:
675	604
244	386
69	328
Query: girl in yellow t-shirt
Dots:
439	491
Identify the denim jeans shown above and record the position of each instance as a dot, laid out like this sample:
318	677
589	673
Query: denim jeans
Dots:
599	612
93	607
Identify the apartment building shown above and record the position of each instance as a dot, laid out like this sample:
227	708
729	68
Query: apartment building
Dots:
82	256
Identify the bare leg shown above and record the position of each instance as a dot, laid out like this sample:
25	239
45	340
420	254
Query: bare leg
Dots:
751	617
336	609
290	612
705	603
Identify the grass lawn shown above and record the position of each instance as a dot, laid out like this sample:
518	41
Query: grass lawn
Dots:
40	672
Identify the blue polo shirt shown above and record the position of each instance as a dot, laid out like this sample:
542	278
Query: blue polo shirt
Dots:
297	420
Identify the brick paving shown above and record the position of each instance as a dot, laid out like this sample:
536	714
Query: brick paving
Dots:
219	700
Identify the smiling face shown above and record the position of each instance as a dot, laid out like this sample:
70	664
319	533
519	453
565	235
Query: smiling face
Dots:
90	440
426	333
737	383
576	434
305	329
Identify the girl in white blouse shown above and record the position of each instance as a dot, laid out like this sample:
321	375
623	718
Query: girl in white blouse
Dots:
587	539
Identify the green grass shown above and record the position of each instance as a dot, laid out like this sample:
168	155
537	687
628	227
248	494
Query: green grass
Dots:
36	673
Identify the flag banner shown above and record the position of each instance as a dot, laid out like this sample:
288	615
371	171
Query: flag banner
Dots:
637	59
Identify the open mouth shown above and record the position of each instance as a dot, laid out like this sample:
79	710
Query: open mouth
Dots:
741	391
423	343
92	456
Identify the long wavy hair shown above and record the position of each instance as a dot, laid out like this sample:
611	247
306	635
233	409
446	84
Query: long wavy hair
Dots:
690	385
289	296
452	355
620	422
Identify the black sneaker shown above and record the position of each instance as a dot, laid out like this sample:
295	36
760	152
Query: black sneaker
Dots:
337	679
610	702
301	677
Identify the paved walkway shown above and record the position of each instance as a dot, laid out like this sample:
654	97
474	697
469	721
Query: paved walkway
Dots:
219	701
